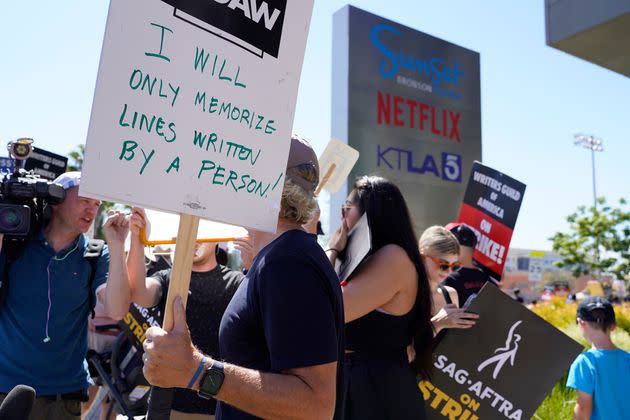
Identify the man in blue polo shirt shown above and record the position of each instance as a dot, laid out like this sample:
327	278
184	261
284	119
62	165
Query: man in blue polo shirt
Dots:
43	321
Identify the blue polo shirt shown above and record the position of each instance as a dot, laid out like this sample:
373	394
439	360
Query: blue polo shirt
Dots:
43	322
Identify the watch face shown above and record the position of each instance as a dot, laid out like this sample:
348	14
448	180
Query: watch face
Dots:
211	382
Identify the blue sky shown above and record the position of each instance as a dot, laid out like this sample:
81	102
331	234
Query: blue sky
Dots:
533	97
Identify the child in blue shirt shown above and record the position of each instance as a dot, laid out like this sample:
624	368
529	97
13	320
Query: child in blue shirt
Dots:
602	374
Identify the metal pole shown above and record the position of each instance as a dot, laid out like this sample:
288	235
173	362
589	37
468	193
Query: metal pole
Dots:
597	273
594	190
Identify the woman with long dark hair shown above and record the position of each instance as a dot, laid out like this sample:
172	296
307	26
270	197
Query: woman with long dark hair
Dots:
387	306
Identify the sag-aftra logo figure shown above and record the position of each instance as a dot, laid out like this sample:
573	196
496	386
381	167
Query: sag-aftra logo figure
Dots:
503	353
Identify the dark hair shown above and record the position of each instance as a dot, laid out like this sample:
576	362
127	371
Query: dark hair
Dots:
390	223
601	321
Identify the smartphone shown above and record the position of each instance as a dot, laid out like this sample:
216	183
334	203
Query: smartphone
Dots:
469	300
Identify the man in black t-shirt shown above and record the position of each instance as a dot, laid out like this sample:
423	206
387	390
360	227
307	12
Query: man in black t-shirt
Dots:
211	289
281	336
469	279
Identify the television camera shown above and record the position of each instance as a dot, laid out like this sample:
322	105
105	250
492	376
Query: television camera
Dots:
24	196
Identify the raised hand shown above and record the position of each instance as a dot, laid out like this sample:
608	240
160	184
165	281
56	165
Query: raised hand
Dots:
116	228
246	247
137	220
339	239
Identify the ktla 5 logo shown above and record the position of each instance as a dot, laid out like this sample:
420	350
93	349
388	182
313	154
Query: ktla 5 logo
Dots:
255	25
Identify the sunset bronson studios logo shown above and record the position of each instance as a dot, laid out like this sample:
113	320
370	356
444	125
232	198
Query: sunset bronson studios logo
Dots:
254	25
443	78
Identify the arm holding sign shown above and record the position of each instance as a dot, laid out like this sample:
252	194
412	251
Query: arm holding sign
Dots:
144	291
246	247
337	243
117	295
171	360
451	316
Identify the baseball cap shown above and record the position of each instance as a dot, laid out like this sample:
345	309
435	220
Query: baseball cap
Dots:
69	179
587	306
301	153
464	234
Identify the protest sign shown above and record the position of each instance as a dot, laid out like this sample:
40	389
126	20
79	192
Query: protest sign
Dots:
194	107
503	367
335	164
490	207
46	164
358	248
162	229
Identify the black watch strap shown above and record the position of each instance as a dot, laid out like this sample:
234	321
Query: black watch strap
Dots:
211	380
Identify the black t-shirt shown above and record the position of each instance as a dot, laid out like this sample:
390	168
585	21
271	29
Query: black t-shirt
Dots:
209	294
466	281
287	314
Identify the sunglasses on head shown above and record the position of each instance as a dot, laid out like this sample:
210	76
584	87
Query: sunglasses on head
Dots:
445	265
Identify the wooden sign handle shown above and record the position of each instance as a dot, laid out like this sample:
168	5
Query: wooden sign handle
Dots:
325	178
182	266
173	241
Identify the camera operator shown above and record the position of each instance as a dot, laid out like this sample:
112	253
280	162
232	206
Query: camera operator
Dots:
43	320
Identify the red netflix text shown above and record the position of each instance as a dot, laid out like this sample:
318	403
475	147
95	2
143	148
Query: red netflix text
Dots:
405	112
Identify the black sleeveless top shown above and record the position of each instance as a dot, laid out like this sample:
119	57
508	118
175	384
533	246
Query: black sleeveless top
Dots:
378	332
447	296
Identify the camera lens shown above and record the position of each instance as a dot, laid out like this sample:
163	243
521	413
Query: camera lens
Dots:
9	218
14	219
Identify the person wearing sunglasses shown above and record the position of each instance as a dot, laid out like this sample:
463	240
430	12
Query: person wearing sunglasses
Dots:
469	280
387	307
440	253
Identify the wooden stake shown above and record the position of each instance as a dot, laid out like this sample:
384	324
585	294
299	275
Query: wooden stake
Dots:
182	266
325	178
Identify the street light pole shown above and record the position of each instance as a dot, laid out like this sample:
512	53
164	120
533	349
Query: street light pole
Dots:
594	189
593	144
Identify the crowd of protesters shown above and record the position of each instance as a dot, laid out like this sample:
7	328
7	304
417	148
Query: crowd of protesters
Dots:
290	339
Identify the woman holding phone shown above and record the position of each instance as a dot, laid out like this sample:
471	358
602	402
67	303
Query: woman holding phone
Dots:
387	307
440	254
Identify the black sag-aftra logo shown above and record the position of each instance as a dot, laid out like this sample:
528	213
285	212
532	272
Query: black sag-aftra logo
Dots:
255	25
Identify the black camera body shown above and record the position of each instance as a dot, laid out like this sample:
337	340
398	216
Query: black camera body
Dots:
24	196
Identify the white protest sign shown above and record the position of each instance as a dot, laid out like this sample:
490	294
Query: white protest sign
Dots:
336	163
194	106
163	226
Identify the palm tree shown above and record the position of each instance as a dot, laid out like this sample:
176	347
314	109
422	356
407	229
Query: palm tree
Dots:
75	158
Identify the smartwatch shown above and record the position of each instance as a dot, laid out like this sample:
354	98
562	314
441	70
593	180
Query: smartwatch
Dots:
211	380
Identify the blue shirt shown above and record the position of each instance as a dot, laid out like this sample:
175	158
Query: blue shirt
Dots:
605	375
49	297
288	313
